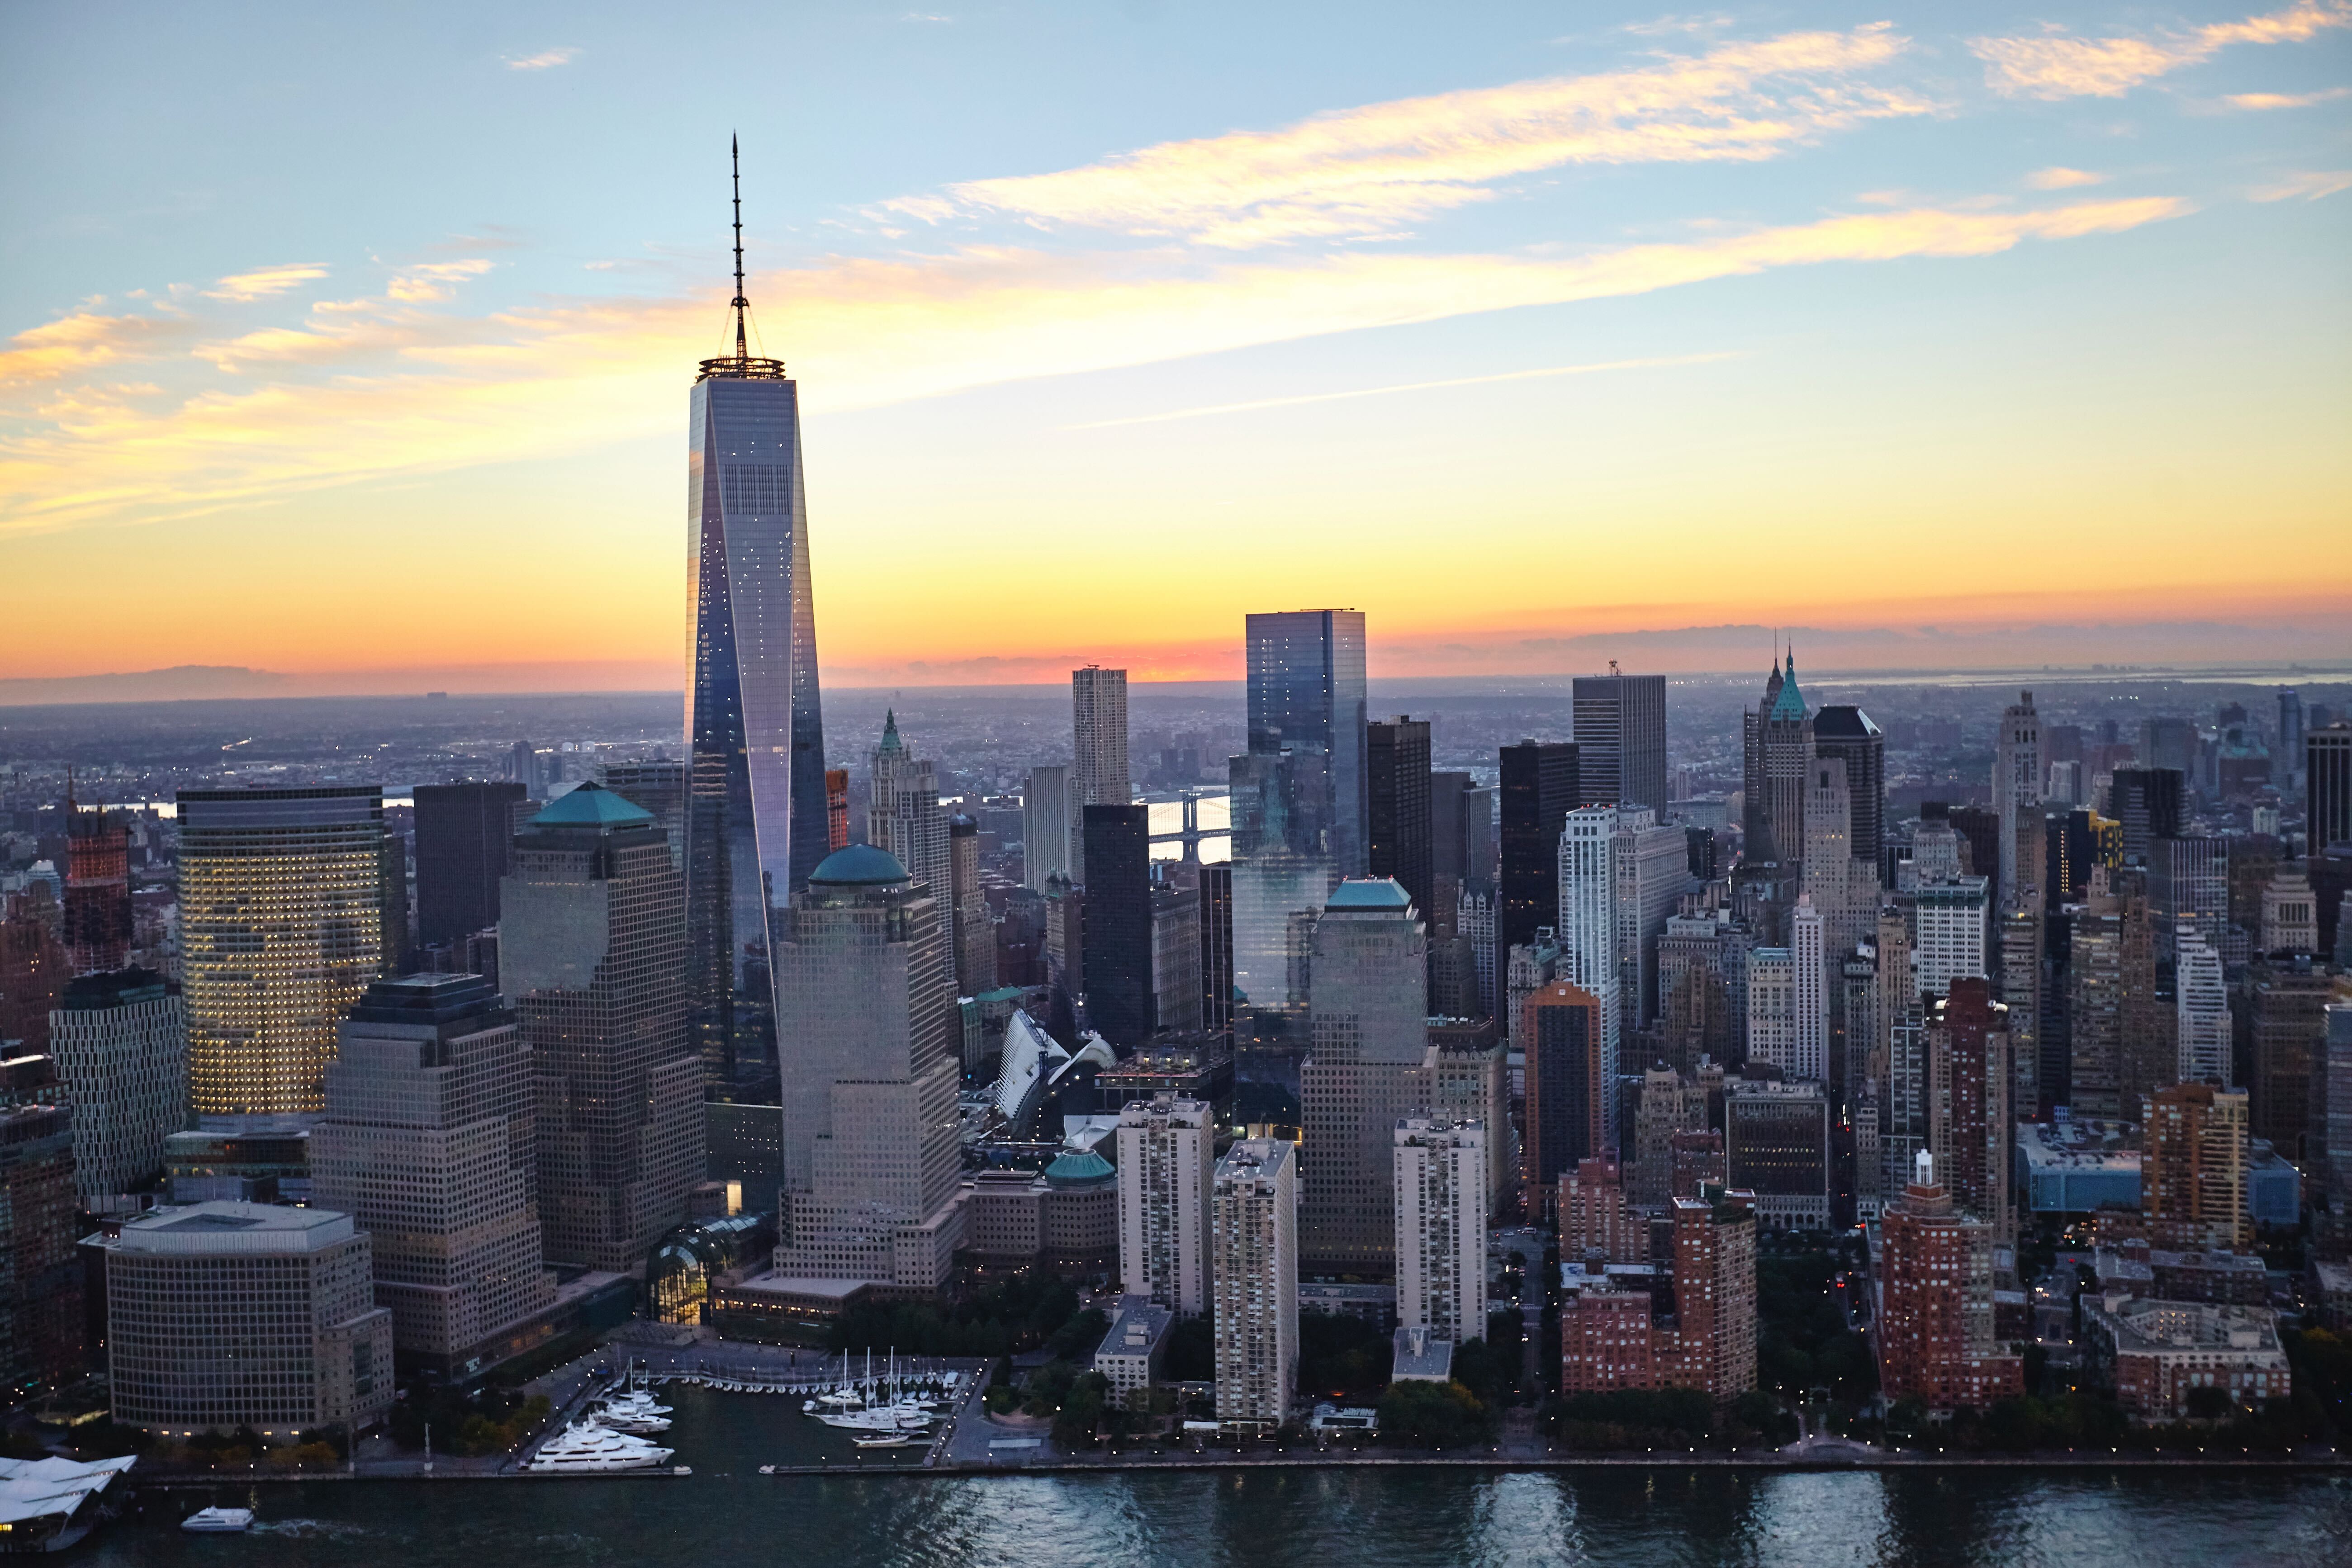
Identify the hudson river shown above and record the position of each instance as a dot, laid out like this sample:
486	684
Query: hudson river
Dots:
727	1515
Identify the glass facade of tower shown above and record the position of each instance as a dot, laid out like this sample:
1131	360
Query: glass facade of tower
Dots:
756	817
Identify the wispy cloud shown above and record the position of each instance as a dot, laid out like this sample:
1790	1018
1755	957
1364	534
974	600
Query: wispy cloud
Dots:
546	59
2061	178
378	388
2309	185
2286	100
1666	27
265	280
1264	403
2055	64
87	340
1377	168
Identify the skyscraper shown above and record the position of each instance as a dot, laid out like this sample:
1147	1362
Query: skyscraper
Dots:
1253	1217
1936	1342
1620	739
1589	945
1366	1068
1099	774
1971	1130
657	786
2328	786
1846	733
2193	1173
464	834
903	817
756	820
2291	733
1046	823
2201	1008
1399	838
120	1040
2146	801
1306	689
1540	787
282	925
1166	1157
591	935
1565	1091
2016	787
98	921
1440	1226
1809	1056
1778	738
1117	961
975	930
429	1144
869	1148
1952	933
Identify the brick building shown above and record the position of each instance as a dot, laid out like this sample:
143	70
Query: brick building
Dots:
1935	1321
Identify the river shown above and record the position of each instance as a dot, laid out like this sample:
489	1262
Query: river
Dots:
726	1515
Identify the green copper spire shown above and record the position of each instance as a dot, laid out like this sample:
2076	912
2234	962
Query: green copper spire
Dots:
890	742
1790	703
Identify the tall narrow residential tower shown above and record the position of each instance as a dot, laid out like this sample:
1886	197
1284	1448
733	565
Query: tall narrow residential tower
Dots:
756	815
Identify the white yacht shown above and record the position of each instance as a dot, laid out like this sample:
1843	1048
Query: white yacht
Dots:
586	1448
218	1522
904	1416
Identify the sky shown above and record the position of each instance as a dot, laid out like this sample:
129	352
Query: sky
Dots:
353	344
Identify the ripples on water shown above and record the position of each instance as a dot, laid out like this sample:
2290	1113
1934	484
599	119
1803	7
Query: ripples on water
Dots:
727	1515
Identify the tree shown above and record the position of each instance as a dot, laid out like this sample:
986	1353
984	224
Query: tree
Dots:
1080	1421
1418	1412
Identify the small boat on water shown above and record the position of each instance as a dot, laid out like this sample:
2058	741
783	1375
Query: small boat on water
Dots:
886	1440
218	1522
588	1448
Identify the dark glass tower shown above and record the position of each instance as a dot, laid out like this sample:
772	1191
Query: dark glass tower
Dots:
463	832
1620	740
1846	733
756	813
1541	786
1306	696
1399	840
1117	965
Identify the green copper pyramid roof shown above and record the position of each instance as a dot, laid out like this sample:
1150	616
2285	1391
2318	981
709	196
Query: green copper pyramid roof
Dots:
1370	893
890	742
1790	702
589	805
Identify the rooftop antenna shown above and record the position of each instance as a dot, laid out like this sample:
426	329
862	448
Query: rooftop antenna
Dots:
735	166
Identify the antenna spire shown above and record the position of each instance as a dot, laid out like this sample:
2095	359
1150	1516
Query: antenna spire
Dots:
735	163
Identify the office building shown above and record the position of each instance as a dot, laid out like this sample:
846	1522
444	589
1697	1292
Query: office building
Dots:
1652	868
1399	833
1441	1227
2290	1043
1935	1280
2193	1169
1776	1145
119	1040
1777	744
2327	787
1772	1008
1176	951
1670	1103
1970	1129
1306	695
1620	739
1216	884
283	918
1808	997
34	968
658	788
429	1144
1952	925
870	1156
1471	1081
1117	964
758	815
1045	821
2188	886
2016	789
2290	914
1366	1068
1540	787
2201	1015
2329	1144
1253	1238
974	927
1846	734
464	833
2146	801
2291	733
225	1316
836	809
1167	1155
1562	1033
2095	1013
98	927
1098	773
904	817
1589	932
591	951
41	1327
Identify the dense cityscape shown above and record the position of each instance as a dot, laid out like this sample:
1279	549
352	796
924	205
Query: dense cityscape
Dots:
1607	932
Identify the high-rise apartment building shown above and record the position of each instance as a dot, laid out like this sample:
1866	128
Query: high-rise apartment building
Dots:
227	1315
2290	1045
1099	774
1471	1081
870	1156
1846	734
2095	1012
1651	867
1540	786
2193	1168
1620	739
1809	995
1253	1266
1117	969
1952	924
758	817
1702	1336
34	970
1936	1337
120	1038
464	834
592	942
2201	1015
1595	1214
1399	835
1441	1227
1046	823
97	928
429	1144
1970	1129
1366	1068
1167	1156
282	924
1589	945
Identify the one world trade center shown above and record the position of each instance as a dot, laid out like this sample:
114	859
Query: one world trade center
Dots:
755	818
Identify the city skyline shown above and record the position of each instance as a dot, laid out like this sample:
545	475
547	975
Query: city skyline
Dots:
1766	286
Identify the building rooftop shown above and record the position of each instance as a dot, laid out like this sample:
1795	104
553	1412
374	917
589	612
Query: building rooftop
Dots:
590	805
1079	1168
1423	1355
858	866
2140	1325
1842	722
223	1226
1384	894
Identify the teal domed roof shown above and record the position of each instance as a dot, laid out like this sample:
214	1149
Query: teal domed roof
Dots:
1370	893
1079	1168
589	805
858	866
